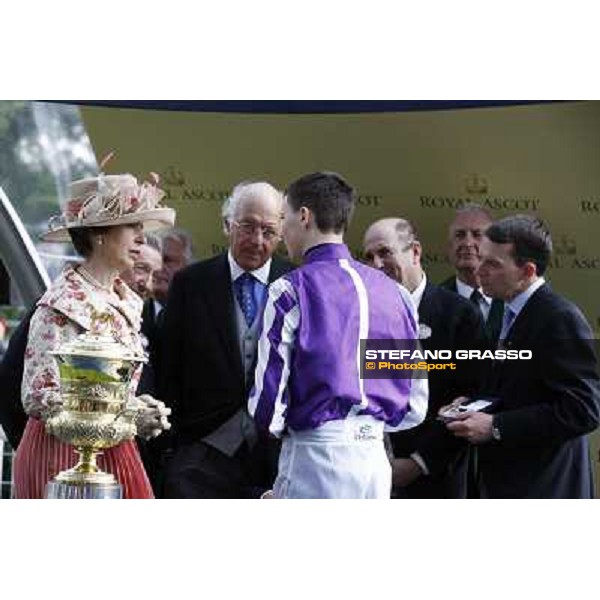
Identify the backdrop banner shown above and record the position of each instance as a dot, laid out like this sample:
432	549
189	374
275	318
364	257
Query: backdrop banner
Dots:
540	159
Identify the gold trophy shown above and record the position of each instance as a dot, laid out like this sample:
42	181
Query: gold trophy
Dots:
96	413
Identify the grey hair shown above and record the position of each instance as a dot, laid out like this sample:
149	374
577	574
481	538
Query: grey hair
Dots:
243	191
154	241
181	237
406	231
473	207
226	214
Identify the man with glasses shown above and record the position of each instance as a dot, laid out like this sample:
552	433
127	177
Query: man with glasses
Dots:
446	322
211	326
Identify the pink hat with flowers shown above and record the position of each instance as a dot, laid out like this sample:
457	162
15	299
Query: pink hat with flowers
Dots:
108	200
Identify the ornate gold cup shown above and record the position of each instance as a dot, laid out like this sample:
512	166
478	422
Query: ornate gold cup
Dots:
95	375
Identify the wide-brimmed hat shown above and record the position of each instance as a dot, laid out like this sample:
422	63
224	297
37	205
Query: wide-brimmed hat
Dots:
109	200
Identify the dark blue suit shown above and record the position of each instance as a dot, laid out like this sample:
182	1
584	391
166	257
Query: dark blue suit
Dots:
547	405
455	323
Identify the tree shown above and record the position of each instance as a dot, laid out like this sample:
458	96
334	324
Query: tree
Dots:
43	146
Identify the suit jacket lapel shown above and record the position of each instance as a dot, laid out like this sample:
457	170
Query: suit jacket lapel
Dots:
493	323
424	313
520	326
278	268
222	309
450	284
220	303
519	330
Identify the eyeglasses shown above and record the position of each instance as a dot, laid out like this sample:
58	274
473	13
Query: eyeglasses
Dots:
249	228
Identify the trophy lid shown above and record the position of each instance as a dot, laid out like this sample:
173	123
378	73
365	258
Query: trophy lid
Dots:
98	346
98	343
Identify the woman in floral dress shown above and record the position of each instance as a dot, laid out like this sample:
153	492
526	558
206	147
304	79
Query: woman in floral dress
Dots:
105	219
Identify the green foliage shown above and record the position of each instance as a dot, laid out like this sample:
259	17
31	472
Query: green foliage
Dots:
9	111
32	150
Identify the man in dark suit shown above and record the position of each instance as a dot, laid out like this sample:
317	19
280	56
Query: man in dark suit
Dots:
140	279
13	417
446	322
176	250
210	331
464	237
535	444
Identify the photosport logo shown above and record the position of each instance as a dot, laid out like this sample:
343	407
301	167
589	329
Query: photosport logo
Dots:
406	359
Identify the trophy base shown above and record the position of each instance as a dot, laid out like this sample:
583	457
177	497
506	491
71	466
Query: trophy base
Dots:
84	482
61	490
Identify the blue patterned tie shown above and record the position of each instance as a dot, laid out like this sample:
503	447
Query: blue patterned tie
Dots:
244	291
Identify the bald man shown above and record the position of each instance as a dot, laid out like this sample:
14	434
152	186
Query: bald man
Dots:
446	322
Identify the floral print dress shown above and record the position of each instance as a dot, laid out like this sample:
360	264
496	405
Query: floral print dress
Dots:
64	312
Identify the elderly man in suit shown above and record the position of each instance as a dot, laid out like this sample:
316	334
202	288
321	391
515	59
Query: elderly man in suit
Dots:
177	249
148	261
535	444
12	415
446	322
464	238
211	328
140	278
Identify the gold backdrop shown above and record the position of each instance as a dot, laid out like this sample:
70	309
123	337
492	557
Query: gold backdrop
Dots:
542	159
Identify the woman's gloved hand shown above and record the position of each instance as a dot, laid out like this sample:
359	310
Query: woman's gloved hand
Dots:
53	407
151	419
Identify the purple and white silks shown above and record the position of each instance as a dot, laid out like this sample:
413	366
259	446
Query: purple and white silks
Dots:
308	365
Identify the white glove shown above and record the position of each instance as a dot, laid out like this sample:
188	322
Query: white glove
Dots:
151	419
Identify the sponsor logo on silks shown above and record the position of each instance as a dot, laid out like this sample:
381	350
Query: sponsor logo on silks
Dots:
364	433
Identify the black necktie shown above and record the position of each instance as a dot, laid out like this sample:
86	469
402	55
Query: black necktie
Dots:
476	297
493	323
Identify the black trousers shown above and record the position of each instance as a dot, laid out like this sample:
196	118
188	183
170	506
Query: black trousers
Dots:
197	470
452	483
